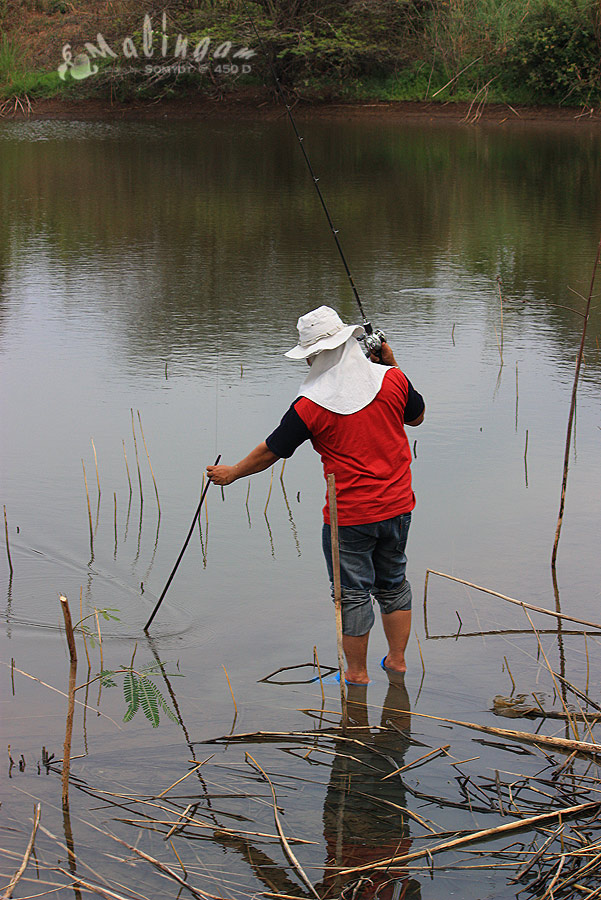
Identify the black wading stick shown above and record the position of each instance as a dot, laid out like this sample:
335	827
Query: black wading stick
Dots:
183	550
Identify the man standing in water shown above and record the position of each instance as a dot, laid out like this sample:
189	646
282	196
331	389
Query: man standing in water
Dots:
354	412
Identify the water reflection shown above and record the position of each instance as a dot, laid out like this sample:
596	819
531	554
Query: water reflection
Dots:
365	816
204	225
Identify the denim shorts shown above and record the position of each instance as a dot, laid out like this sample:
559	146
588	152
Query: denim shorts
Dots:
372	562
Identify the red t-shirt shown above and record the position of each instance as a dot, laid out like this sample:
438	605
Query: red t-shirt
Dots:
367	451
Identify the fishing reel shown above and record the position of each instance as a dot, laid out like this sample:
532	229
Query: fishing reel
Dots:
372	341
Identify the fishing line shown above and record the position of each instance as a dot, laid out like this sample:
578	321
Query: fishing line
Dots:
366	324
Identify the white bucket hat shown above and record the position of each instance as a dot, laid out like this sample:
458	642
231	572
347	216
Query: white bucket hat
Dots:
321	329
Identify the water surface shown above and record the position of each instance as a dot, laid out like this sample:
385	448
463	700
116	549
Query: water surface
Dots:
160	268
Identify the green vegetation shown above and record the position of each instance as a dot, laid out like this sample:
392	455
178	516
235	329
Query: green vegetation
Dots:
543	51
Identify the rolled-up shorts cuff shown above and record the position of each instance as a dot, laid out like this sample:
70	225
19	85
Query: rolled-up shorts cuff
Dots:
357	612
397	598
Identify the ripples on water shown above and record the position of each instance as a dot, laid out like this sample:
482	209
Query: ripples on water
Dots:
162	267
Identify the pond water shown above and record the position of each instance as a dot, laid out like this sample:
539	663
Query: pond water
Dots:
154	272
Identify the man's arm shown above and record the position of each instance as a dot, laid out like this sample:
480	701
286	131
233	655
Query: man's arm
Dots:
389	360
257	460
419	419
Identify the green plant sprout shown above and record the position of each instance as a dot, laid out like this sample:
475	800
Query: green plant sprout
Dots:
140	691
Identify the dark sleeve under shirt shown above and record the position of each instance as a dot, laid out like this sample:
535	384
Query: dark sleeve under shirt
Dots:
292	431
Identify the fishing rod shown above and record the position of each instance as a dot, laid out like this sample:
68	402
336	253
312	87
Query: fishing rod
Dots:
373	338
183	550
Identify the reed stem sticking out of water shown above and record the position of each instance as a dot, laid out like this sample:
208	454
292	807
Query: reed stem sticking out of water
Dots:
71	706
10	562
316	663
154	481
229	683
137	458
566	460
501	307
96	464
269	492
89	508
127	468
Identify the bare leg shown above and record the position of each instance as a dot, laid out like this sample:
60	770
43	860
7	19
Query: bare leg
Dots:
397	626
355	650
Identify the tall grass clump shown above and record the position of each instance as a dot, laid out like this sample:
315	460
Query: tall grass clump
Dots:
540	51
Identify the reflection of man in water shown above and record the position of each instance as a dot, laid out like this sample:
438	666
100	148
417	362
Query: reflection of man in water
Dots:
354	412
362	821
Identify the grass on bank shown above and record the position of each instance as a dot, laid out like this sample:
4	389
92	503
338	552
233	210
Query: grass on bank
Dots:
539	52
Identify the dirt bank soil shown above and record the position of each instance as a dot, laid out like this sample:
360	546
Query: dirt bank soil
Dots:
253	104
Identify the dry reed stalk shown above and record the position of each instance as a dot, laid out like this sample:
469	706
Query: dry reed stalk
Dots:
231	691
535	858
285	845
195	823
524	736
183	778
16	877
76	882
156	490
178	859
127	468
421	655
137	458
10	562
478	587
179	822
403	809
563	703
56	691
71	699
534	821
196	892
282	471
509	673
96	464
337	592
416	761
269	493
566	460
316	662
89	507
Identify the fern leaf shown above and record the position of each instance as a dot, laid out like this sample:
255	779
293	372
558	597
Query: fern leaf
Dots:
132	695
164	705
148	701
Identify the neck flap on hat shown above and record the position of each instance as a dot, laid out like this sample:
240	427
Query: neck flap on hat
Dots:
343	380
